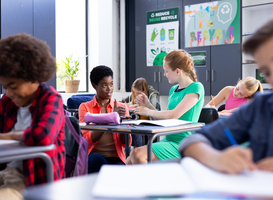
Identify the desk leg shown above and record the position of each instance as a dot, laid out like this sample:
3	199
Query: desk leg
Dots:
43	156
149	146
127	149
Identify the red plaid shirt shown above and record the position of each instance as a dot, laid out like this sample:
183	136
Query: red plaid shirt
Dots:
47	127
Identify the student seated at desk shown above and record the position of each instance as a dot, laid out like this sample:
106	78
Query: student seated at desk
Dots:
185	102
252	122
141	85
30	111
236	96
103	147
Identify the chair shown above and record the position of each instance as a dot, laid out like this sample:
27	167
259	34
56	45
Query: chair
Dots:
208	115
158	107
222	107
75	101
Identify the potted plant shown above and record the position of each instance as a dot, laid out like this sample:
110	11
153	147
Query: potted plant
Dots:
71	70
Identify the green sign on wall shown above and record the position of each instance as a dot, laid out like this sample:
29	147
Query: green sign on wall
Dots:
161	34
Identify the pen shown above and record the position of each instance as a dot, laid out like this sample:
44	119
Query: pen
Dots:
230	137
212	101
124	100
133	125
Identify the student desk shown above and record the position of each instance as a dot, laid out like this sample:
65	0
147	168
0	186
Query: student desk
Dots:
19	151
81	187
151	131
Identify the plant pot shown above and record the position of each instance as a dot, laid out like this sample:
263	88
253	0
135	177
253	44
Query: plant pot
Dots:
71	86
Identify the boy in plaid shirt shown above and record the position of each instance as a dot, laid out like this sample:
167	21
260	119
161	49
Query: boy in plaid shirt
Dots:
30	111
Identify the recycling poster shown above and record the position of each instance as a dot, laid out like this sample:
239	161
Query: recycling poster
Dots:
161	34
212	23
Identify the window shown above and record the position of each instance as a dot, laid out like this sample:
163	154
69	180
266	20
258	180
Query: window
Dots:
71	38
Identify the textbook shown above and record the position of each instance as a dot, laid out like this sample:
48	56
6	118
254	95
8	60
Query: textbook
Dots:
164	123
178	179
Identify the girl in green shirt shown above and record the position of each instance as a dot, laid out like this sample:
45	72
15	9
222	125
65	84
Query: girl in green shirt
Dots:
185	102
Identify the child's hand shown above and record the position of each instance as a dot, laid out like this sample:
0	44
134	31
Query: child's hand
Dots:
119	109
234	160
141	110
134	106
142	100
265	164
210	106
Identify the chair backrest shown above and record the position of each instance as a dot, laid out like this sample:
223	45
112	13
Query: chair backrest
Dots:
75	101
76	148
208	115
158	107
222	107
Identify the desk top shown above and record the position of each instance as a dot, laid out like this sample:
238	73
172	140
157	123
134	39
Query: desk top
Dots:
70	188
141	129
81	187
17	148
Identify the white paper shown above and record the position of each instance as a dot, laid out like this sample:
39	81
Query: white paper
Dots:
251	183
165	122
136	181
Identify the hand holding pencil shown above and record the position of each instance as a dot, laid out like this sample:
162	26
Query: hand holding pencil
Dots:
212	104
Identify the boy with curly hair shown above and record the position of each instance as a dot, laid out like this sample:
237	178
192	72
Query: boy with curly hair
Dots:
30	111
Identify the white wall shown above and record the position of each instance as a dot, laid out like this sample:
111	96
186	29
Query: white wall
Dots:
104	37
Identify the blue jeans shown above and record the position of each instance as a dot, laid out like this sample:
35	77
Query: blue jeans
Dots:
95	161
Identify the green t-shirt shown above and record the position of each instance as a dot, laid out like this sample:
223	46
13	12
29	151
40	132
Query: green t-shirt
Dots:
192	114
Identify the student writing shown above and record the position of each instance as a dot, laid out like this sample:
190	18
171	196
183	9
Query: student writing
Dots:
30	111
185	102
238	95
252	122
103	147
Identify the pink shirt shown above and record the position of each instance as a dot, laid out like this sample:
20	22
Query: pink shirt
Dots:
234	102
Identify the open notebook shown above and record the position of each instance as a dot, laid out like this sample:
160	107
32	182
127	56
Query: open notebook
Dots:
165	122
174	179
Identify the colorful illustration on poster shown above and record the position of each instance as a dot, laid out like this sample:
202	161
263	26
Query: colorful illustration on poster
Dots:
161	34
212	23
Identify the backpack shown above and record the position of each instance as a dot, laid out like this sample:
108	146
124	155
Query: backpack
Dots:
76	148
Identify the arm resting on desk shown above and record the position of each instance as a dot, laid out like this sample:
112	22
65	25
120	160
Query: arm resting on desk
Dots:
13	135
186	104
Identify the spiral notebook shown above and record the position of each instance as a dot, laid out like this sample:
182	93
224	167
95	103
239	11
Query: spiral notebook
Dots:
176	179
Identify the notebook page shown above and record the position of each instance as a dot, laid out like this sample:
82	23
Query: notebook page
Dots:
136	181
256	183
164	123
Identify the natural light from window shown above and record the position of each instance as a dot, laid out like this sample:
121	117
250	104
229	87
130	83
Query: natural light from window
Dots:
70	39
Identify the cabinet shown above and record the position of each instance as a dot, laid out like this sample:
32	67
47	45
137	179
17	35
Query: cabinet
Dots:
223	63
34	17
255	13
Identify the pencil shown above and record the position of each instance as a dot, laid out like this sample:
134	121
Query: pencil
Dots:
230	137
133	125
212	101
124	100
